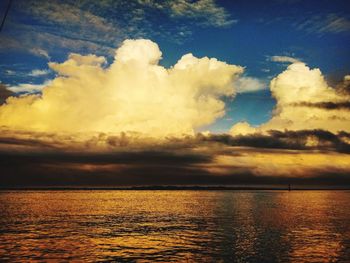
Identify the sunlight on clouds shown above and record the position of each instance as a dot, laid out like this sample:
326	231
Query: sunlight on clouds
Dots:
242	128
133	94
304	101
281	162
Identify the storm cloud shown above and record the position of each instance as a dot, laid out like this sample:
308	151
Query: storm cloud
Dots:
316	158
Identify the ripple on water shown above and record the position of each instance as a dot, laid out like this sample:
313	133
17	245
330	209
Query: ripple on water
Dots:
178	226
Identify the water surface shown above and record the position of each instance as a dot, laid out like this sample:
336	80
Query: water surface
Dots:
179	226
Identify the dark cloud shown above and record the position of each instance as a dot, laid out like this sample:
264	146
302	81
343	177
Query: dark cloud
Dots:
345	105
189	161
139	169
8	141
343	86
294	140
101	169
4	93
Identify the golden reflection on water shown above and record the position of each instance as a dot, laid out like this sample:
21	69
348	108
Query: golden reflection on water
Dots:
316	238
178	226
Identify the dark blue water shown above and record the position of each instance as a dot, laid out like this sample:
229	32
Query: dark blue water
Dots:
175	226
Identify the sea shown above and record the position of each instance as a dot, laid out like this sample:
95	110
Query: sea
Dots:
174	226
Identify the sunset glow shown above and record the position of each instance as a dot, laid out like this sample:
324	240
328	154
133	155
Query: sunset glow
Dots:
175	131
201	78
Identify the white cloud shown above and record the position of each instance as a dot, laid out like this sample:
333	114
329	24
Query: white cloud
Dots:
10	72
249	84
207	10
39	52
331	23
68	16
284	59
60	25
36	43
38	72
29	88
99	26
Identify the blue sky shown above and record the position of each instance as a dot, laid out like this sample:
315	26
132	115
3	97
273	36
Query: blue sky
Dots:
258	35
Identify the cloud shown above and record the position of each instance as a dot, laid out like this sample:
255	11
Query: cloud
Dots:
307	157
38	72
204	163
43	27
70	20
39	52
4	93
284	59
29	88
321	24
25	42
320	140
304	101
285	166
249	84
58	26
10	72
344	86
207	10
242	128
40	41
325	105
133	94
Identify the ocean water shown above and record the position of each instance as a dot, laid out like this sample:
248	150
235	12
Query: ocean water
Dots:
175	226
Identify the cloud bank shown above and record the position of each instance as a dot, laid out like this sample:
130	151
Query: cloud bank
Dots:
133	94
199	161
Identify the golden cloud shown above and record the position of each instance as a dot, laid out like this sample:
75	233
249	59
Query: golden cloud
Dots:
304	101
133	94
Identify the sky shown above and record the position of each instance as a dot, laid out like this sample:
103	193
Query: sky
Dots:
146	92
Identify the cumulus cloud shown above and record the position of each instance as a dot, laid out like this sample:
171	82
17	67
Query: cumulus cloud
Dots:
242	128
304	101
133	94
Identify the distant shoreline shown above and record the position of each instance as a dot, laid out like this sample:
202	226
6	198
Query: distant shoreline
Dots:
171	188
